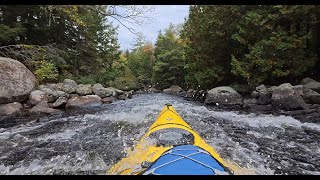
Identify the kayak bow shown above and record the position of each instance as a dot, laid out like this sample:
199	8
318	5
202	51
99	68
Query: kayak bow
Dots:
171	146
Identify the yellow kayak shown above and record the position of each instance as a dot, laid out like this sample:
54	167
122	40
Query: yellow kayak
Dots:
171	146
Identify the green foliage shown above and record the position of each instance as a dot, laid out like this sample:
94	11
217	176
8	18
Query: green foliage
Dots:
250	44
274	44
90	79
46	71
170	60
207	35
77	39
140	61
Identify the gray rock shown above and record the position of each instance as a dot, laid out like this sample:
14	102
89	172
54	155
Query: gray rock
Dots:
84	101
43	108
307	80
310	96
128	94
108	100
74	95
52	95
154	90
190	91
122	97
261	89
313	86
255	94
69	86
62	94
264	98
248	102
271	89
16	81
223	95
298	89
99	90
286	98
84	89
37	96
173	90
139	92
116	92
60	102
11	108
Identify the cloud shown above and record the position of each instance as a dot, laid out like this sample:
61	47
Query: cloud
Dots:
162	16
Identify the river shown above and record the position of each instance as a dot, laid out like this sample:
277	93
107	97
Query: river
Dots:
90	141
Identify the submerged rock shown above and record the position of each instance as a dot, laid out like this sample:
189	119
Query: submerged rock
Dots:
108	100
84	101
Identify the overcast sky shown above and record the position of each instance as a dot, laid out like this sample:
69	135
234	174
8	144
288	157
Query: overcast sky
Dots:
162	15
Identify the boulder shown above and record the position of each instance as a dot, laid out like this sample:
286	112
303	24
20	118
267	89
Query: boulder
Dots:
271	89
108	100
313	86
248	102
122	97
69	86
255	94
310	96
307	80
54	95
16	81
223	95
60	102
43	108
116	92
84	89
173	90
154	90
261	89
61	94
74	95
128	94
84	101
139	92
264	98
51	95
99	90
37	96
11	108
284	97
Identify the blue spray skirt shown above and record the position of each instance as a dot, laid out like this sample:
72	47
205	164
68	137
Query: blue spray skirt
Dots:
186	160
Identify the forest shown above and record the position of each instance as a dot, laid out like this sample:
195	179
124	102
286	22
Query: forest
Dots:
216	45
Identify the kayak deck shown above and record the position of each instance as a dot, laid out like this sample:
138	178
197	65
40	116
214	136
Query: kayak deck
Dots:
167	132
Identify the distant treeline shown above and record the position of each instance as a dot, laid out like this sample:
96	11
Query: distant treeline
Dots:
216	45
